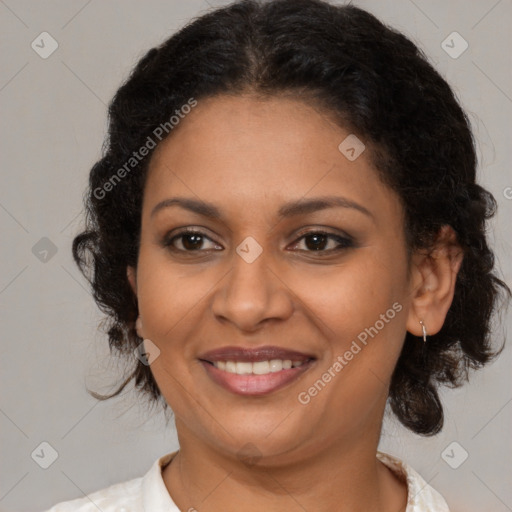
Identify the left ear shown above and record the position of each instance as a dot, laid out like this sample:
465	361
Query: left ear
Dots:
433	283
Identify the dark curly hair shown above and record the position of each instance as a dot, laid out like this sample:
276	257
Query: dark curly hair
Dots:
375	82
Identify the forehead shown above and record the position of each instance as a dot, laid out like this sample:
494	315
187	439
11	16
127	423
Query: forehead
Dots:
253	153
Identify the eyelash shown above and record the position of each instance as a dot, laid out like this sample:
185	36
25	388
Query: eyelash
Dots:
344	242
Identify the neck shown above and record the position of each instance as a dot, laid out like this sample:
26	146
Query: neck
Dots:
345	476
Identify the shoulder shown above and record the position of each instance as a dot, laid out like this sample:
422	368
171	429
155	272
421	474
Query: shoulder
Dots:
147	492
421	496
111	499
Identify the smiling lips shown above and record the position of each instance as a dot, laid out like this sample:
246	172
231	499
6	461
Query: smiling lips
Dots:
254	371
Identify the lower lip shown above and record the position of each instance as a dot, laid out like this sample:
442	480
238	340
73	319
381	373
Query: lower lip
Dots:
255	385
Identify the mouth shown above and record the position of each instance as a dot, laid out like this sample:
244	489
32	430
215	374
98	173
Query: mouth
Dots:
257	371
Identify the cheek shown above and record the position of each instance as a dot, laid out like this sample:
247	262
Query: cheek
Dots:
169	295
360	310
169	303
350	296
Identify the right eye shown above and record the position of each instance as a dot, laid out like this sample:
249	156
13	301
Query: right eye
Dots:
190	240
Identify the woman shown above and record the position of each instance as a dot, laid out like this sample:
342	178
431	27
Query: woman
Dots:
286	234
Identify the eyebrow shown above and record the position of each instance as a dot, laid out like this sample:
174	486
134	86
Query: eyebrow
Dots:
290	209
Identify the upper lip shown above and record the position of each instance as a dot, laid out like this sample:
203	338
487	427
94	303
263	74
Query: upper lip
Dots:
253	355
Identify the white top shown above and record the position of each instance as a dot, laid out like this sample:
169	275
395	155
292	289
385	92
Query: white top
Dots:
149	494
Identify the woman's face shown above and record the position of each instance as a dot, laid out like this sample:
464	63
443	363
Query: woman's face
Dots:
329	283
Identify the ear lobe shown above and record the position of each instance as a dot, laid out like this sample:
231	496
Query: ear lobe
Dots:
434	281
132	278
138	327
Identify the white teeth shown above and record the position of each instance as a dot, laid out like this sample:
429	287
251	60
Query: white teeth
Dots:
243	368
261	367
257	368
230	366
276	365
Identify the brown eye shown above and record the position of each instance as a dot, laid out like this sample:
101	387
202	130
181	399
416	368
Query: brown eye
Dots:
192	241
318	241
189	240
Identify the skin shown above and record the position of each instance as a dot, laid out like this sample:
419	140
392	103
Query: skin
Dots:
248	157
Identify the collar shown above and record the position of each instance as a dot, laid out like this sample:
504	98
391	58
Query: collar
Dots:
420	496
155	496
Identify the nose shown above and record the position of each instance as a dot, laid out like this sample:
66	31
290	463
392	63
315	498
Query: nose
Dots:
252	294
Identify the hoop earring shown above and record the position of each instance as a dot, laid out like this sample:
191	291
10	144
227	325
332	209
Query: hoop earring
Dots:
424	331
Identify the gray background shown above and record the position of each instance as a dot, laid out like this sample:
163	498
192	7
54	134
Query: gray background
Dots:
53	115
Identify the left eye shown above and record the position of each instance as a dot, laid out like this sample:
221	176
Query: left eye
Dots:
316	241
